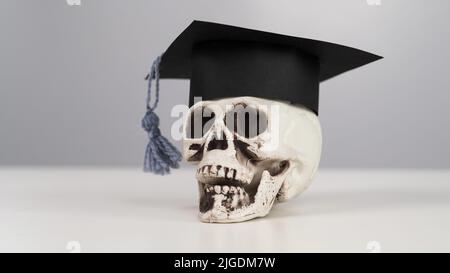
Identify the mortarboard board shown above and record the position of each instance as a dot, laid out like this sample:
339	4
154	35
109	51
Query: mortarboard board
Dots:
227	61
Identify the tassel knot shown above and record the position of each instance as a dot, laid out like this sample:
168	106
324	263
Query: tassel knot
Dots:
150	122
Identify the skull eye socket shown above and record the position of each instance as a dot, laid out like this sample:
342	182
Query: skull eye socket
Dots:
199	121
246	121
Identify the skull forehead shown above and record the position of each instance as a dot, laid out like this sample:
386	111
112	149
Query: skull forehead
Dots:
223	103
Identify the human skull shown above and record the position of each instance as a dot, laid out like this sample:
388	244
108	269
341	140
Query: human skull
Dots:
243	164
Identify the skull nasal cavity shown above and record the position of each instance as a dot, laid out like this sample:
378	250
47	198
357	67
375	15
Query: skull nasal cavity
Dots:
218	144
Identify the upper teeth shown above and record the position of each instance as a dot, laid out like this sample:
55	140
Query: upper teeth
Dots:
225	189
207	171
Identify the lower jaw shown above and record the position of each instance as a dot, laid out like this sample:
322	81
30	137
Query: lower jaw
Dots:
226	208
259	207
223	215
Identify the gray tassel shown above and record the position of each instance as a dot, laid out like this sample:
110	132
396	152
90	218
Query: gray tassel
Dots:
160	154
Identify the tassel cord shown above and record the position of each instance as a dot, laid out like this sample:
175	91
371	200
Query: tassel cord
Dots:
160	154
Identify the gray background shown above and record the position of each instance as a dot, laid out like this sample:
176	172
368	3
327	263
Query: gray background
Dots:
72	89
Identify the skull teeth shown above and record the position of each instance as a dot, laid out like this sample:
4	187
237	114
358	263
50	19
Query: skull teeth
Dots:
225	189
222	172
230	197
213	169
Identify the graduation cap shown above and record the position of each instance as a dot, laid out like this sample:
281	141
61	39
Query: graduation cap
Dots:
227	61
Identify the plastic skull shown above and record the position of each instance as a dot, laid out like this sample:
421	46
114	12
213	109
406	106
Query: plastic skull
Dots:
249	152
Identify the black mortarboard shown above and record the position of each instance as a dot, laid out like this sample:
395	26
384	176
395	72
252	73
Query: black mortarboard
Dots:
227	61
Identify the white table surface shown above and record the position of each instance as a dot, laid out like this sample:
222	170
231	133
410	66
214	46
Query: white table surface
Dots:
125	210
